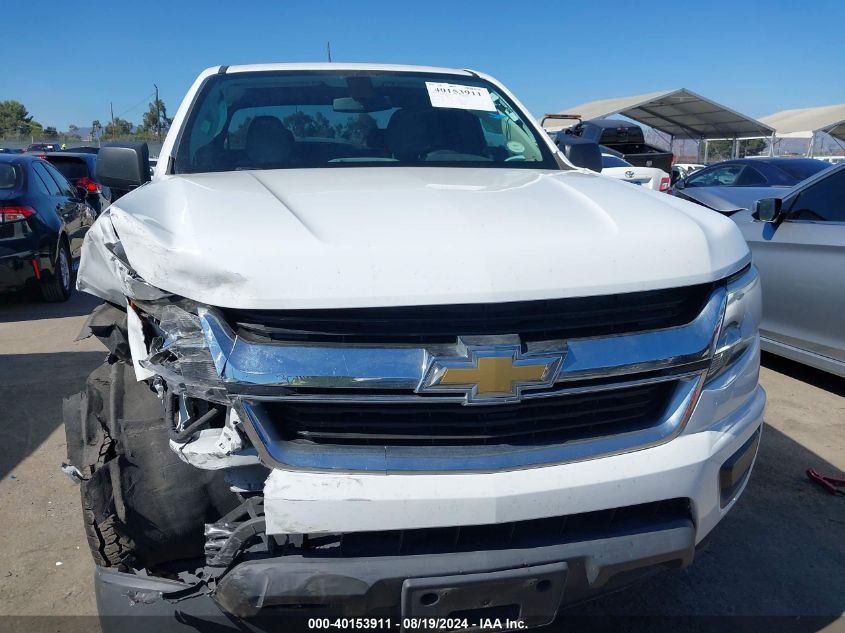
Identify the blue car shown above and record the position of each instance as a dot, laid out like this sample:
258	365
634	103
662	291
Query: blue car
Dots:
733	185
43	220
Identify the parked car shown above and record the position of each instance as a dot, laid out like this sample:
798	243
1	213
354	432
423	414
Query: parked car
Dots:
682	170
378	347
40	148
648	177
798	244
10	150
624	137
81	170
43	220
736	184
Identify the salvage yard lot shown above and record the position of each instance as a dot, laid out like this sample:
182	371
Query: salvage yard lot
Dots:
780	552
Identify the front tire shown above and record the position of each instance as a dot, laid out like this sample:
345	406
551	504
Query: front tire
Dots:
142	506
58	287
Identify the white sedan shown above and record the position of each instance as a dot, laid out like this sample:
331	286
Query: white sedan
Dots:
649	177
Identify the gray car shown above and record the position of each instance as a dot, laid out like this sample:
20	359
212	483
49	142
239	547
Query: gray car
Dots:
798	245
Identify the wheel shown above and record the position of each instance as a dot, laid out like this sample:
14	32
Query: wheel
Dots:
142	506
58	287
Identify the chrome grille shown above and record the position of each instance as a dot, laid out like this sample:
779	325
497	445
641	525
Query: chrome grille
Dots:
426	422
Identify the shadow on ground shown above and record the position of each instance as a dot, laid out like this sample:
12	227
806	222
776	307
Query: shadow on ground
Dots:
33	385
31	397
775	563
27	306
810	375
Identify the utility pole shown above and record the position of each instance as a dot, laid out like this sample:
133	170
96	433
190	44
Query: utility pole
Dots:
111	107
329	50
158	117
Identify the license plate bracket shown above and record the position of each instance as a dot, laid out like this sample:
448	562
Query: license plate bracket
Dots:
537	591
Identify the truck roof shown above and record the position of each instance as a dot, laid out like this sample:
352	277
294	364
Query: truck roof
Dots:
245	68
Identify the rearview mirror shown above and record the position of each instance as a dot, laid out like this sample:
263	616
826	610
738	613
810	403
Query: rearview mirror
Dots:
768	210
124	166
580	152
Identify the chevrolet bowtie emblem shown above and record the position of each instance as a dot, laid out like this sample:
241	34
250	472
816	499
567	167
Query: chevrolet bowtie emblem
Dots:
491	374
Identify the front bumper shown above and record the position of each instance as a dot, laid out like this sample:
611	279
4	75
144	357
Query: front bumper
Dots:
727	415
264	591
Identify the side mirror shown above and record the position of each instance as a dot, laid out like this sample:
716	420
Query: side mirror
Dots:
580	152
82	193
680	184
124	166
768	210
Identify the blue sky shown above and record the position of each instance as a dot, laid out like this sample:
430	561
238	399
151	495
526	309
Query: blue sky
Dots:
756	57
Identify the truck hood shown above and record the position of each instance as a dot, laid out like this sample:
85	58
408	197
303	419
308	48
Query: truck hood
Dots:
365	236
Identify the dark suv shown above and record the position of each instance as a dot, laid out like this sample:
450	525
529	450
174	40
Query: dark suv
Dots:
80	168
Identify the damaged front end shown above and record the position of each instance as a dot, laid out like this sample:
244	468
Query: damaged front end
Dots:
147	514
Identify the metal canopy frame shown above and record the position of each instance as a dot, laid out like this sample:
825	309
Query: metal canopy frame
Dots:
807	122
679	113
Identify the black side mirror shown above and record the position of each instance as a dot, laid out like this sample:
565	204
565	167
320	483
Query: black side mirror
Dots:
768	210
580	152
124	166
680	184
81	193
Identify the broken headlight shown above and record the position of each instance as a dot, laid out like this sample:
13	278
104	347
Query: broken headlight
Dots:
740	323
177	351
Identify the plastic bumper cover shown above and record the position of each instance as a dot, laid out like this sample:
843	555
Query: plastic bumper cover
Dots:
376	585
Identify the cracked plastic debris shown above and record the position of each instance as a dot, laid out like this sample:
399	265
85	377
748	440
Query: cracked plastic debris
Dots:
182	359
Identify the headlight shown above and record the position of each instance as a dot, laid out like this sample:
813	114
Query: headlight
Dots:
740	323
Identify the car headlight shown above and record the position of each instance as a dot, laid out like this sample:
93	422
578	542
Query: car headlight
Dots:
741	321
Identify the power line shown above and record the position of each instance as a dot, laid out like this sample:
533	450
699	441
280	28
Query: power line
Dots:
141	102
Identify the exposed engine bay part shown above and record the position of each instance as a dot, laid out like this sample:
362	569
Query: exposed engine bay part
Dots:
143	506
211	449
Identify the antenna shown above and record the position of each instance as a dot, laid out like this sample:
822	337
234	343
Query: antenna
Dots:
329	50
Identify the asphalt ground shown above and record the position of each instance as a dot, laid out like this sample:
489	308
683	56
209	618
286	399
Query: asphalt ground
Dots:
777	562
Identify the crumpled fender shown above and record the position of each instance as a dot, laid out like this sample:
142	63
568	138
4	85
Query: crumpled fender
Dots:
104	269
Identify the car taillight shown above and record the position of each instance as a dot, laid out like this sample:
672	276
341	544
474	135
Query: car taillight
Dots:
13	214
664	184
88	184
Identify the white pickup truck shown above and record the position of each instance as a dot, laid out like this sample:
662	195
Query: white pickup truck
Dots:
379	349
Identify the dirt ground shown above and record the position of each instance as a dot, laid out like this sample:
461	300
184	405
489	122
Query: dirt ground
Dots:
781	551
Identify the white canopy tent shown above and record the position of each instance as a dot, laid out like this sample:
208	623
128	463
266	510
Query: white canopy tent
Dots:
678	113
807	122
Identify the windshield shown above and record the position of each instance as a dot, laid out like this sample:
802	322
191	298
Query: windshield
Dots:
71	168
296	119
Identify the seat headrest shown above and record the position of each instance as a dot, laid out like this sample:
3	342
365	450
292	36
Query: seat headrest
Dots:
412	133
268	141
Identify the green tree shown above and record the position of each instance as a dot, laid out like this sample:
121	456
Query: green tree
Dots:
156	119
752	147
50	132
73	132
14	118
118	128
305	125
357	129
